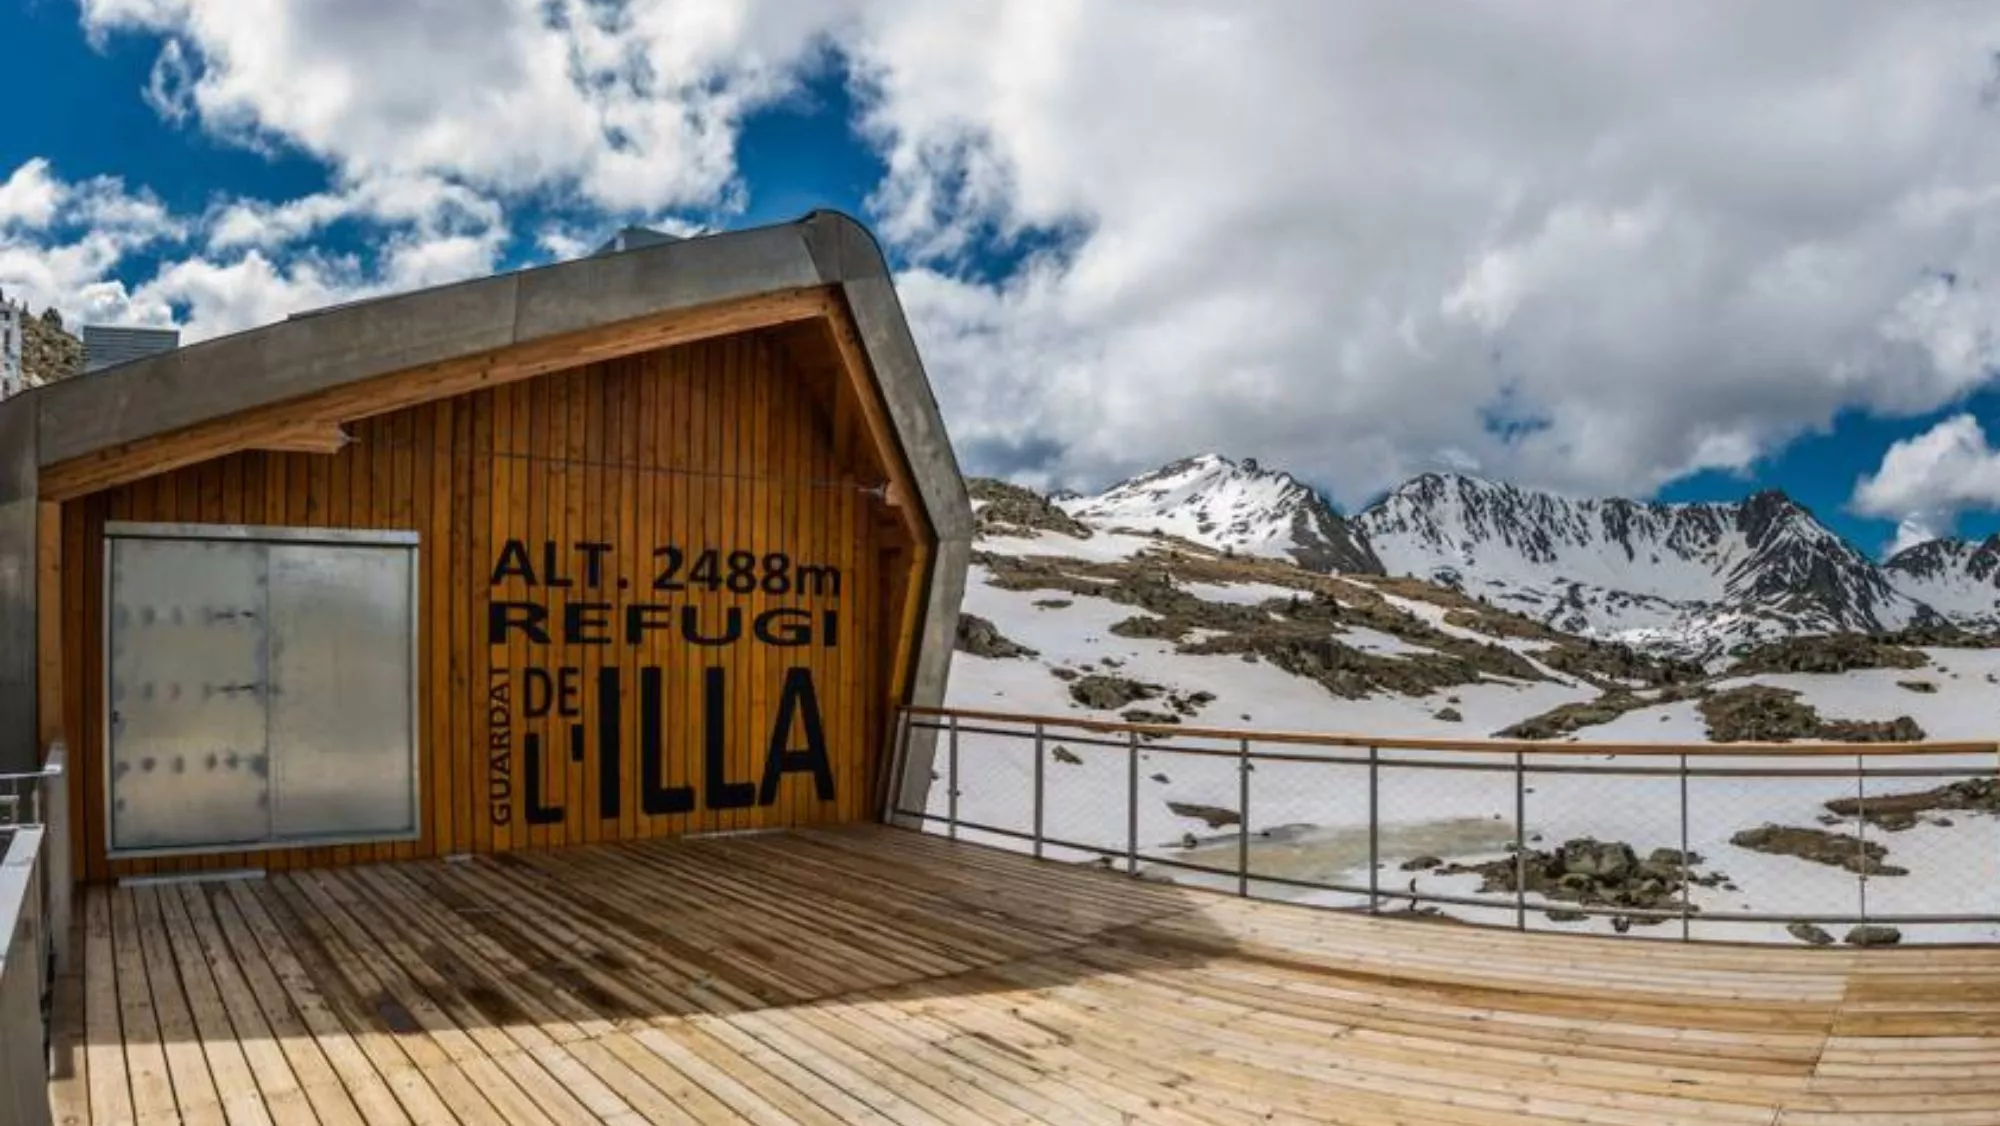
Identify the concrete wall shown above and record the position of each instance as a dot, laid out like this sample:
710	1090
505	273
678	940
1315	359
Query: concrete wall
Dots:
18	738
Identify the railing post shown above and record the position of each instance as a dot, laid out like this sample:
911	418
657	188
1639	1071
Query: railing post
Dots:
1374	827
1243	817
1861	837
1687	885
55	842
901	749
1039	790
951	782
1520	841
1132	804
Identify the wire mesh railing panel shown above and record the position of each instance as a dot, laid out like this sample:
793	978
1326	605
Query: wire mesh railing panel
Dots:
1086	790
1442	822
1308	837
1602	849
1937	824
1720	843
1757	826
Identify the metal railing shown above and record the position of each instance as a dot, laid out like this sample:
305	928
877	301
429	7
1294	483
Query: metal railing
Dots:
35	891
1379	800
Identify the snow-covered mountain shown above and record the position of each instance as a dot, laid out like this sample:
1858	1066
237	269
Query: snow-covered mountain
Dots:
1959	578
1074	617
1238	506
1696	578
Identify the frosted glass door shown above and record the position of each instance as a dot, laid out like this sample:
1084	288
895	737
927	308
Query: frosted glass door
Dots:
341	705
188	656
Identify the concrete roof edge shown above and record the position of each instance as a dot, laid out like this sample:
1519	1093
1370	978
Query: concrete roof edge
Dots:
320	350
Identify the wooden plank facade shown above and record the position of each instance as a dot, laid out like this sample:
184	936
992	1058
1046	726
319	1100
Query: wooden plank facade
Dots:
663	593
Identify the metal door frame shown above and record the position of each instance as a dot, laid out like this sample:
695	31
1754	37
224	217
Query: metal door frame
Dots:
410	541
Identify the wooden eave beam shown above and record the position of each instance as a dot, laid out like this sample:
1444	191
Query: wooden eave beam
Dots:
307	438
279	423
859	382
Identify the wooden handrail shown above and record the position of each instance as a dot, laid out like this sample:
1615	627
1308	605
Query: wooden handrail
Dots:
1471	746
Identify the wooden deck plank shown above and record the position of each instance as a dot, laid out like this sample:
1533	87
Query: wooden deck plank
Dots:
874	976
108	1082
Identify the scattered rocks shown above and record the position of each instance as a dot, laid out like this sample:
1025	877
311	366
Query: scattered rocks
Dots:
1899	811
1568	719
1608	664
1151	626
1760	713
1902	729
1147	715
1005	509
1065	674
1420	863
1298	632
1214	816
1109	693
1827	653
1873	934
1448	715
1923	686
1819	846
1810	934
981	638
1593	873
1053	603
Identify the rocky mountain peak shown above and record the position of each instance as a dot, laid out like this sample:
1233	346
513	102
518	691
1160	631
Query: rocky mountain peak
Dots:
1236	506
1645	572
1959	578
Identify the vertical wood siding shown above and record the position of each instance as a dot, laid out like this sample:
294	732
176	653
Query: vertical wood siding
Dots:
665	457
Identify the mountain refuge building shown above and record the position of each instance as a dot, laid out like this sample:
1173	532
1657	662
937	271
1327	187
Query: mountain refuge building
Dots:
649	543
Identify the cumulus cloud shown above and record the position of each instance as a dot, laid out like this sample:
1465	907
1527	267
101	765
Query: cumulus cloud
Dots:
234	267
1925	481
29	196
636	106
1584	246
1347	237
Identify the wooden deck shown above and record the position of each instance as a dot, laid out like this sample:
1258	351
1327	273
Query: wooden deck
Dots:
874	975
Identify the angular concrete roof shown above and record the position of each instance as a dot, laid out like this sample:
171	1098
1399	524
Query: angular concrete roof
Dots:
347	344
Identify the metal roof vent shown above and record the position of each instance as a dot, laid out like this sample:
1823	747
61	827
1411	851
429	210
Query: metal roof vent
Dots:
110	345
632	238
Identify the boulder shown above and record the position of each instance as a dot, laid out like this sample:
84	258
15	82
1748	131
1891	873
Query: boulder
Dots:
1807	933
1214	816
1838	850
1872	934
1109	693
981	638
1607	861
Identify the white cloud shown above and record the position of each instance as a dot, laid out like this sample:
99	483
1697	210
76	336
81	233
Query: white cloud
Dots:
29	196
1339	237
247	272
1925	481
1673	236
636	105
428	203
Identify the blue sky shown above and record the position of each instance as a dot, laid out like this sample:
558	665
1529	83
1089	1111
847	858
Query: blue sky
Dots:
1110	264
